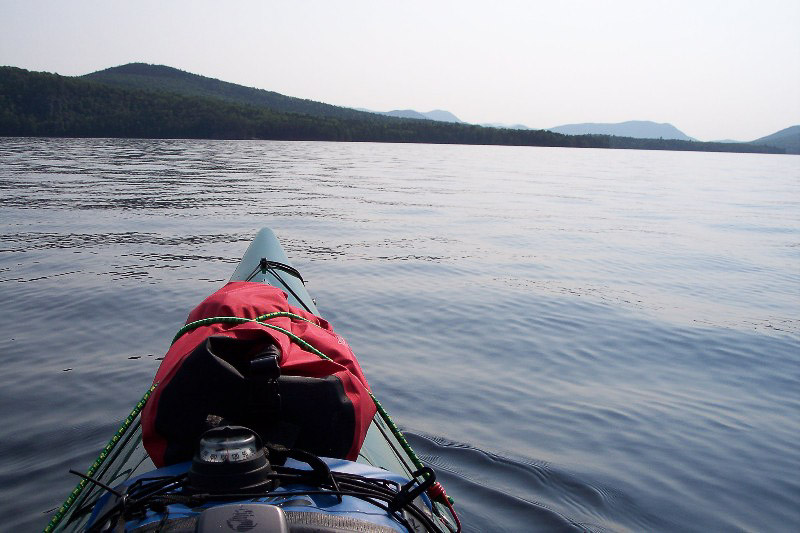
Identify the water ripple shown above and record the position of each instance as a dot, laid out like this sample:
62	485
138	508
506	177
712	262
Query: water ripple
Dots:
602	340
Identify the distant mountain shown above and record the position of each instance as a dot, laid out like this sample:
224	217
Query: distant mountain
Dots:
168	79
403	113
438	115
152	101
638	129
788	139
505	126
442	116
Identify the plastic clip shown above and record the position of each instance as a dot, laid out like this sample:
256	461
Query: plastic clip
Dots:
413	488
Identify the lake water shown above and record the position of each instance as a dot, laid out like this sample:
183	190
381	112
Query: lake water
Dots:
574	339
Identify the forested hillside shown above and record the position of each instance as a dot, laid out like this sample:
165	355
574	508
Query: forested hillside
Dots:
42	104
787	139
172	80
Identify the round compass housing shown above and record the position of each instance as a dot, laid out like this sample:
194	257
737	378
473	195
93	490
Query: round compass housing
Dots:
230	459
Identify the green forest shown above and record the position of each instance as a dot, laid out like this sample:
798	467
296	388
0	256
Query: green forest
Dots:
121	104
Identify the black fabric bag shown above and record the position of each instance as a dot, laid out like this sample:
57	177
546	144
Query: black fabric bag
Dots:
231	381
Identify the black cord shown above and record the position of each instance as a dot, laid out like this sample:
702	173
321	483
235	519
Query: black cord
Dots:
266	265
164	519
98	483
286	285
253	273
288	268
154	492
133	499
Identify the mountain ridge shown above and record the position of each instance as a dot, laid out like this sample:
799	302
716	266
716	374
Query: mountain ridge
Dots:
439	115
638	129
787	138
160	77
41	104
155	101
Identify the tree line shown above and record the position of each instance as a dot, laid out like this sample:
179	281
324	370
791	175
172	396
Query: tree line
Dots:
49	105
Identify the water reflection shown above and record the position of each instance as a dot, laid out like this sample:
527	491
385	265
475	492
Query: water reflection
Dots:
575	338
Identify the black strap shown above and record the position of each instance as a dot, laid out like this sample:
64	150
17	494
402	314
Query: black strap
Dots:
409	492
263	394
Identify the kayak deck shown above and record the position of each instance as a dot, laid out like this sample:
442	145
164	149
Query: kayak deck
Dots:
381	448
124	456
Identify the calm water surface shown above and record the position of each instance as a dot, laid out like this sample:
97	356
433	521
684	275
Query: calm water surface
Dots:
574	339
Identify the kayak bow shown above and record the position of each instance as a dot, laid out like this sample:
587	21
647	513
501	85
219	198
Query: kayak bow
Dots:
238	479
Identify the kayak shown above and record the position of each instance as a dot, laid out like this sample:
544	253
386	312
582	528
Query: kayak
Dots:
243	479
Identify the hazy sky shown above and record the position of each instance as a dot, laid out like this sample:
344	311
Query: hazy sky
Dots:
714	69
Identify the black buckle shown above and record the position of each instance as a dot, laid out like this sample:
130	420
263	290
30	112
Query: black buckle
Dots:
263	391
409	492
265	367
